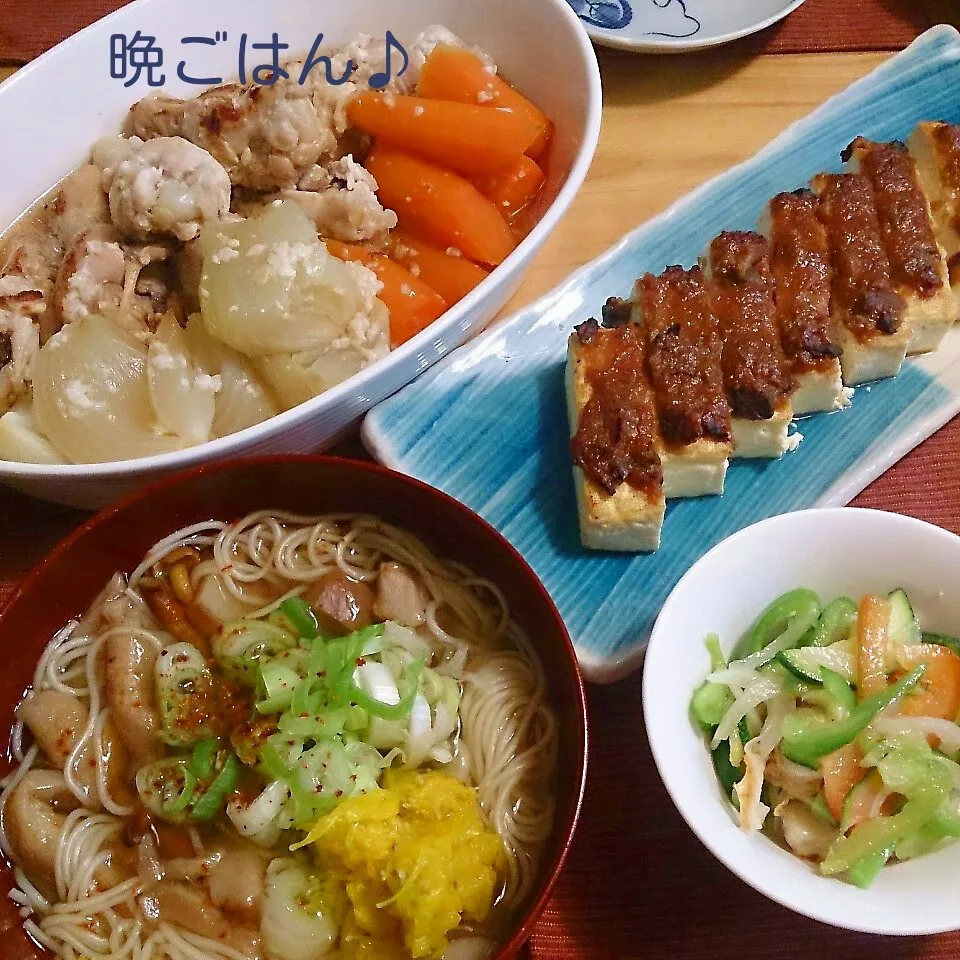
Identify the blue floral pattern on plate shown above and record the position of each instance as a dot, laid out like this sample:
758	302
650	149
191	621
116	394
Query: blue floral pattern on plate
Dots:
674	25
607	14
488	425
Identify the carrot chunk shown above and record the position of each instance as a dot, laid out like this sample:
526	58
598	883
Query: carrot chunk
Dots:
452	73
452	277
464	137
938	692
513	188
413	305
440	205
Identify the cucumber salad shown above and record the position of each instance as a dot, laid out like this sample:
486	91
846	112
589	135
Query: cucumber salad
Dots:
834	731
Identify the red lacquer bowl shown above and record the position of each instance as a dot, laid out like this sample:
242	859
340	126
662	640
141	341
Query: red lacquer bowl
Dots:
66	582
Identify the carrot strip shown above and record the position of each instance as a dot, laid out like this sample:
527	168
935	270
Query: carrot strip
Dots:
872	622
874	801
452	277
413	305
441	206
937	694
513	188
841	773
464	137
452	73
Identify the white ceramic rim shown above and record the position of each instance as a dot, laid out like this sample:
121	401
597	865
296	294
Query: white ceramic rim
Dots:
666	763
223	447
683	45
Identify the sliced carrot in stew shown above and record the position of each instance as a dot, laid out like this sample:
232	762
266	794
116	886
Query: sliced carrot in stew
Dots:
464	137
841	773
413	305
873	619
513	188
452	73
453	277
440	205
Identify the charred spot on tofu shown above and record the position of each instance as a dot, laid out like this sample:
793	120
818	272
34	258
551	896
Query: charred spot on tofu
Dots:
6	347
341	605
616	311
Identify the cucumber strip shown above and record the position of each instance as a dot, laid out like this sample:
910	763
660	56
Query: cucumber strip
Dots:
904	628
819	808
865	870
800	666
808	663
942	640
728	775
835	622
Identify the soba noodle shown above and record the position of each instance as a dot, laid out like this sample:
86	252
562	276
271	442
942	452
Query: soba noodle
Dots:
504	747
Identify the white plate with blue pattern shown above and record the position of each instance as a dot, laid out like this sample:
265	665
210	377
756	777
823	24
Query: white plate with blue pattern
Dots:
489	426
675	26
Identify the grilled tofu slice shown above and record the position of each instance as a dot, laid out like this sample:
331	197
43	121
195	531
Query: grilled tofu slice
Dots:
870	314
936	149
615	441
800	264
918	264
683	365
756	377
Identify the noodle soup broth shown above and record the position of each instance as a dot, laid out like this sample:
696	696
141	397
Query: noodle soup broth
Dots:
288	733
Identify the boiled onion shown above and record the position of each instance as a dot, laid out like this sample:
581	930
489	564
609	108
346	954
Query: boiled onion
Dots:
243	399
91	395
182	393
270	286
21	441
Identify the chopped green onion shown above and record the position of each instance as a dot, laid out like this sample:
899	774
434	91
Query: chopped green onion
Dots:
301	617
181	800
273	762
279	683
202	759
209	804
391	711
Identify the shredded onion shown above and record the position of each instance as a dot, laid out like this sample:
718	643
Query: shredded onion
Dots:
947	732
753	811
760	690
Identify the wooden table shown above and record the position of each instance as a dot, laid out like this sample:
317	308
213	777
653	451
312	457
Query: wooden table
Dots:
669	123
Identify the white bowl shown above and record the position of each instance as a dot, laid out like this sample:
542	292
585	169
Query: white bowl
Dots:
835	552
538	44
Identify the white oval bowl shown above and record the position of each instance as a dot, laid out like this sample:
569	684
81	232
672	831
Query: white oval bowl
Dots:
835	552
538	44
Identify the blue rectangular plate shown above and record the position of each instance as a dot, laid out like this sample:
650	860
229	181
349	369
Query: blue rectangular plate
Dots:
489	425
